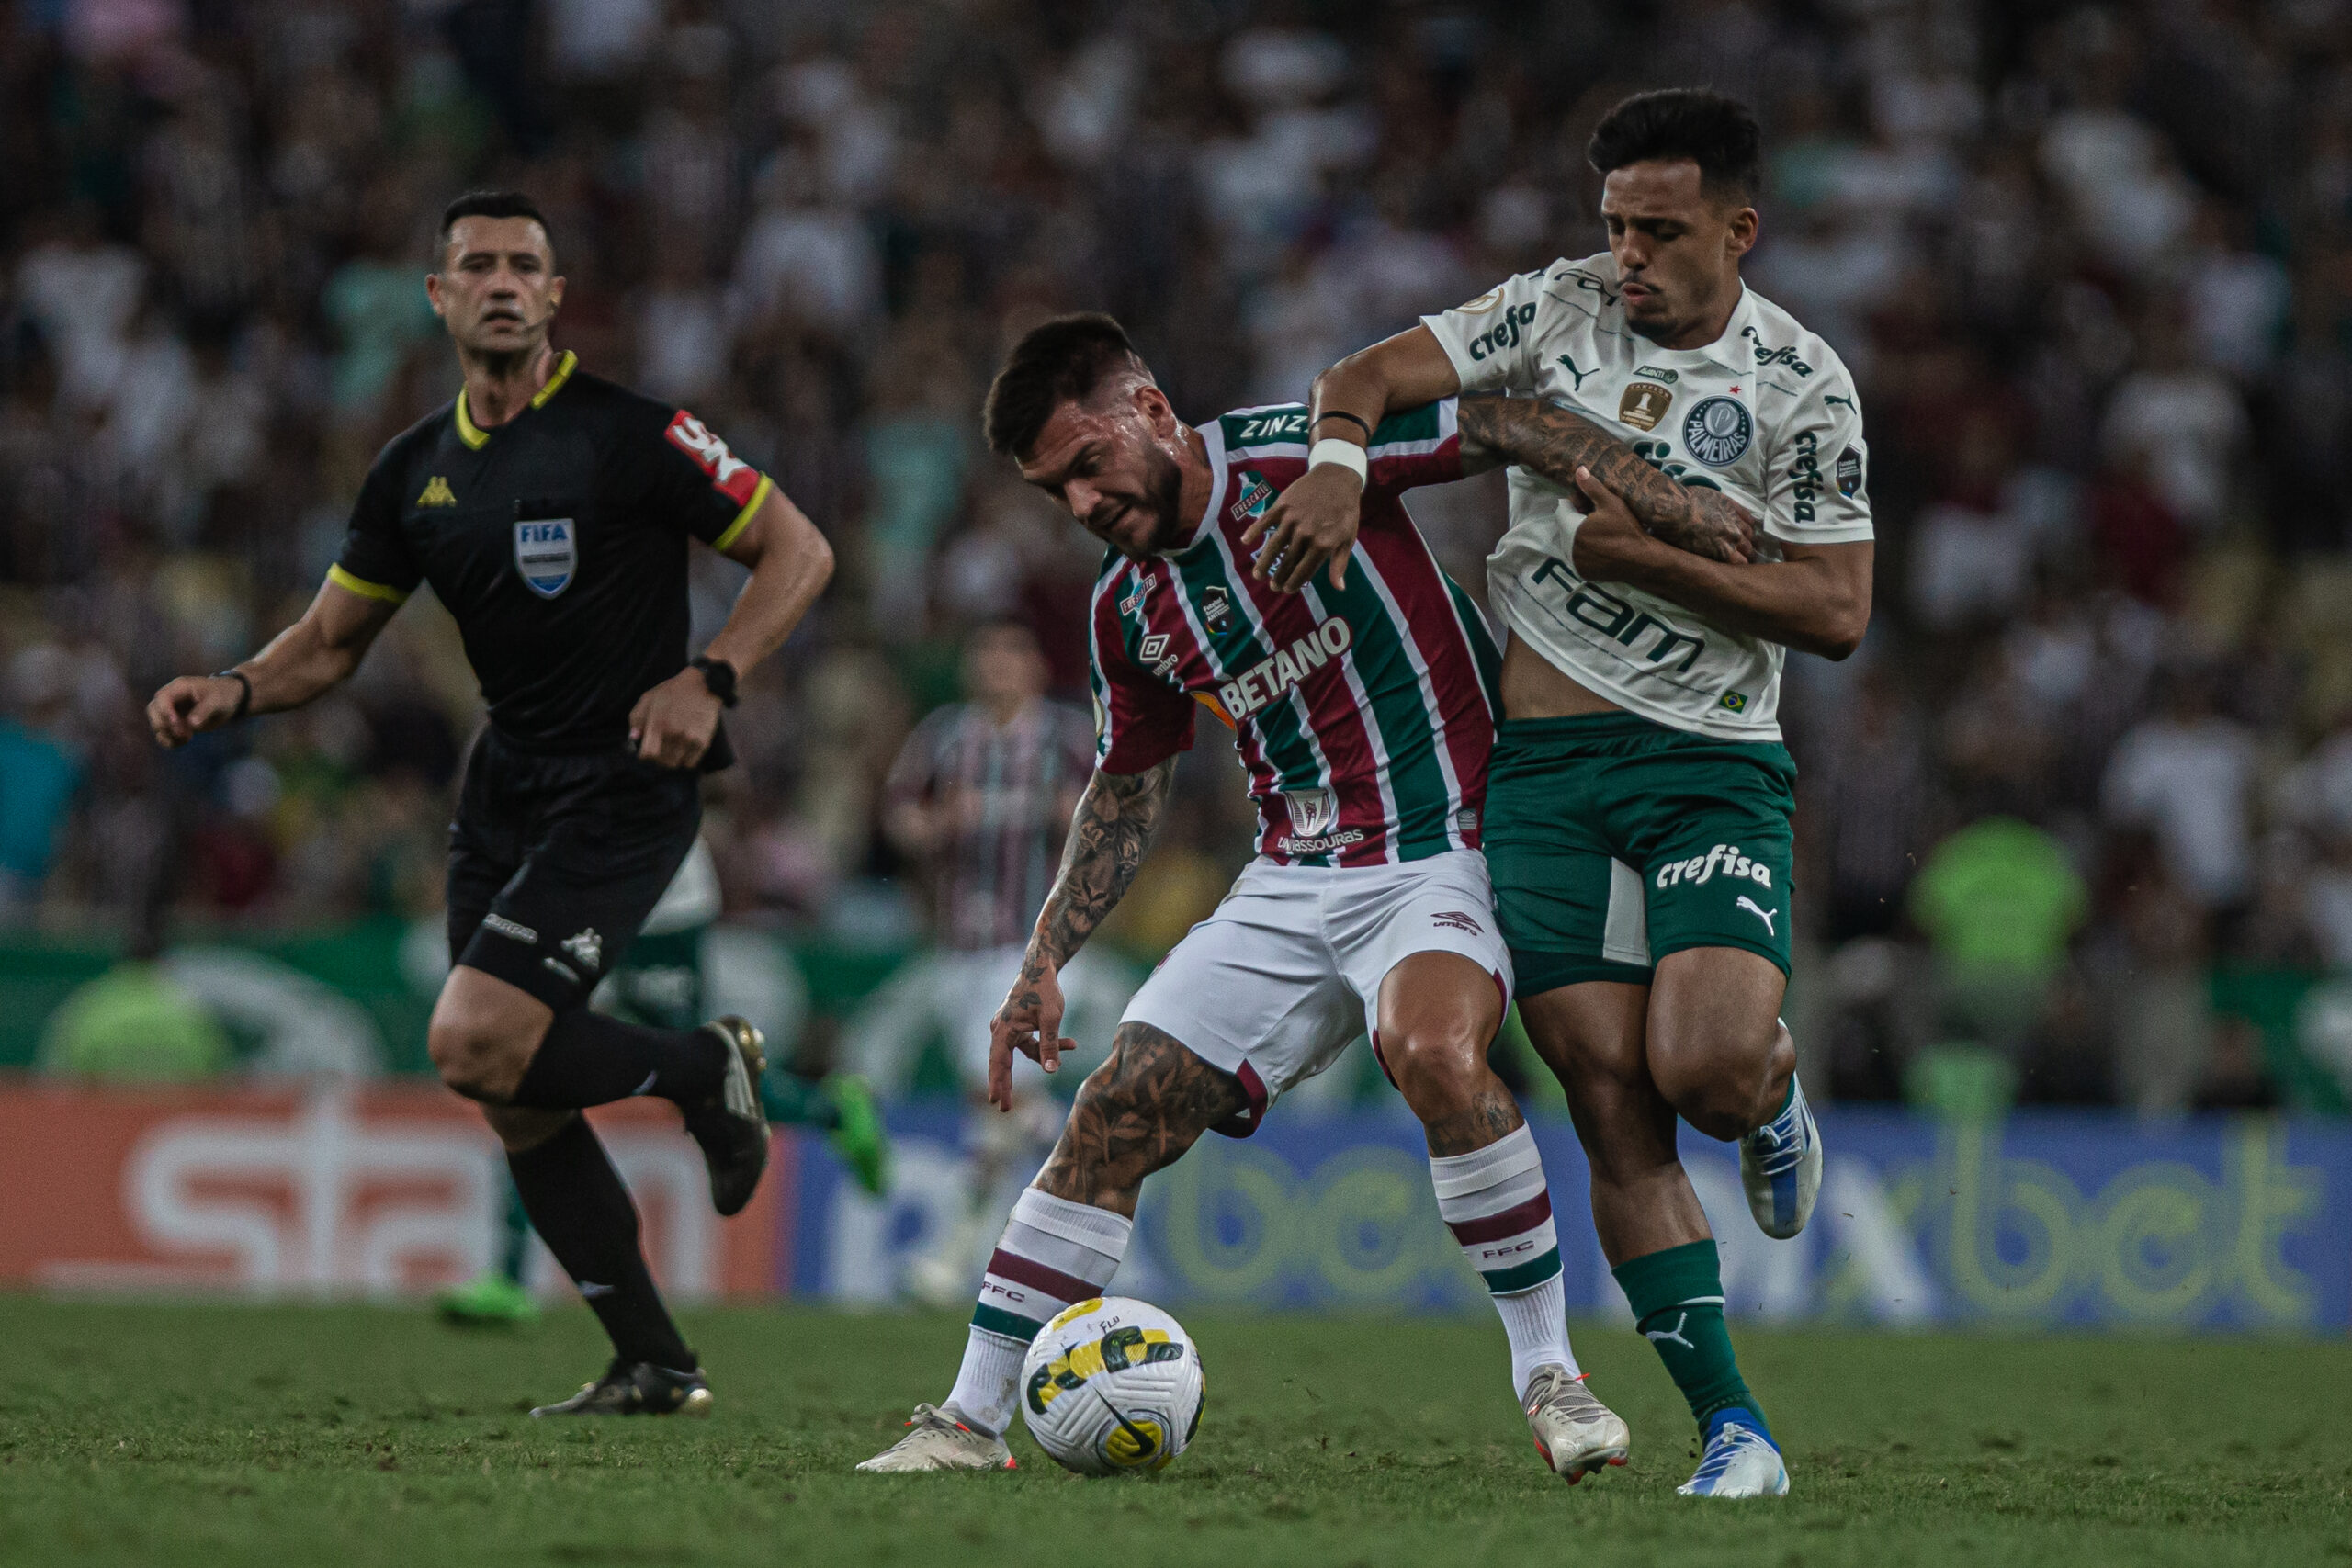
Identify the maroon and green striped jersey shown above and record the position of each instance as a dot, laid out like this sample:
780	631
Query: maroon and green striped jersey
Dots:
1363	716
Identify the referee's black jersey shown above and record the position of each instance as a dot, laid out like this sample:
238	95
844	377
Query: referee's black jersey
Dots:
559	543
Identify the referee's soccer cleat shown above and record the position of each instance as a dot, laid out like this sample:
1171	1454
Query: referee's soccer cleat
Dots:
1739	1460
1574	1432
939	1441
637	1388
1780	1165
488	1300
730	1127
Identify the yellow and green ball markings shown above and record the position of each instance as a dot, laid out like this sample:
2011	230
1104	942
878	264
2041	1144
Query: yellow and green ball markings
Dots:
1121	1348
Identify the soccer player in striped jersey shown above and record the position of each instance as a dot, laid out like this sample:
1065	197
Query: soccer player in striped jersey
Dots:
980	797
1363	708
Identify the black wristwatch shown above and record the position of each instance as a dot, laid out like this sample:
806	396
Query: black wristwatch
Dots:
718	676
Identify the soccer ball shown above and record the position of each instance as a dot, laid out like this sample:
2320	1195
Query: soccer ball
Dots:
1112	1385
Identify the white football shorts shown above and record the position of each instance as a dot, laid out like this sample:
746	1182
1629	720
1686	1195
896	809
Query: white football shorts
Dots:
1277	983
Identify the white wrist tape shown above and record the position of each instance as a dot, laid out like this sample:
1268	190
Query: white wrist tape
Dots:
1346	454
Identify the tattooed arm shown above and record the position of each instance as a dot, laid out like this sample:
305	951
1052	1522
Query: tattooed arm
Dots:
1108	836
1314	520
1545	438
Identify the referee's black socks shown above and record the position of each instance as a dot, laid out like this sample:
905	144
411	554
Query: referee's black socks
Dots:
589	1059
580	1210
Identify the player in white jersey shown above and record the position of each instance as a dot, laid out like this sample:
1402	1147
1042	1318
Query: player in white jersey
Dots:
1639	802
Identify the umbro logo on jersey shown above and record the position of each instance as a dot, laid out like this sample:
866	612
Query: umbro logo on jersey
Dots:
1154	650
1460	920
1268	679
1725	858
438	493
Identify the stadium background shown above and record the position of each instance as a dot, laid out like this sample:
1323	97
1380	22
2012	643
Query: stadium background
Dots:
2077	822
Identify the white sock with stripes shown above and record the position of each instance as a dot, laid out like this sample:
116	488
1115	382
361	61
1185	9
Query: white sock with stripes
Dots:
1495	1201
1054	1252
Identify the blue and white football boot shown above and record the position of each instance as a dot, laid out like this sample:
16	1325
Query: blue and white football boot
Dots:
1780	1164
1740	1460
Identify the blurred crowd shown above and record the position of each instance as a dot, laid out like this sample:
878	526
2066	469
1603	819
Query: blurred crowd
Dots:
2092	265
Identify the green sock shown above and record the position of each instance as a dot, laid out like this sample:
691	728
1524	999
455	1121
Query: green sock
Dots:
1678	1300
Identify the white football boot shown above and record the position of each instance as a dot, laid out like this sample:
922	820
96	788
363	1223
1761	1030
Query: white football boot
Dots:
939	1441
1780	1164
1574	1432
1739	1461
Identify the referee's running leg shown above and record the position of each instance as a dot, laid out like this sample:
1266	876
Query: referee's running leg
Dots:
554	863
565	839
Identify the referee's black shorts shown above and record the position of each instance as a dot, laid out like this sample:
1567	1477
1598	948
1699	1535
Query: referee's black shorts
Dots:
556	861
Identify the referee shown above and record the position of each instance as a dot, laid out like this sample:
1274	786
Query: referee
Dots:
549	511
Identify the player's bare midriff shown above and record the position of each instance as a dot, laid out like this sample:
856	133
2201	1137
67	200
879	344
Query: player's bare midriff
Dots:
1535	687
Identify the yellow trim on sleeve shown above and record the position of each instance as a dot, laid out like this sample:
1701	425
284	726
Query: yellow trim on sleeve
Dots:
743	518
563	368
364	587
467	431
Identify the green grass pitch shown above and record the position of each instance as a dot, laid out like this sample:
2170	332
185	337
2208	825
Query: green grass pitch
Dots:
354	1436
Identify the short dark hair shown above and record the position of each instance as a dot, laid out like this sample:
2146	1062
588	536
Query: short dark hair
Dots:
1713	130
1055	361
493	204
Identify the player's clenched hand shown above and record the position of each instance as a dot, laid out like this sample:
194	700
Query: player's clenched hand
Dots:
1312	522
1031	1022
191	704
672	723
1610	544
1719	528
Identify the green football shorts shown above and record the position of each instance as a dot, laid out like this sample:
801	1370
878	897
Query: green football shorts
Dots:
1614	840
